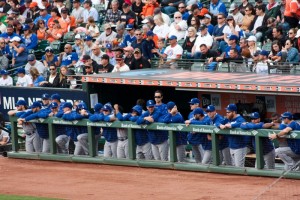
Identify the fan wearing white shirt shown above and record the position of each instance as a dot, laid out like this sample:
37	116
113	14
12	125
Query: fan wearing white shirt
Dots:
23	79
5	79
179	26
161	29
203	38
120	66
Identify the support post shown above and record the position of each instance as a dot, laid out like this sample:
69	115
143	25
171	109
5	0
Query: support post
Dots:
259	152
92	142
215	149
131	144
172	140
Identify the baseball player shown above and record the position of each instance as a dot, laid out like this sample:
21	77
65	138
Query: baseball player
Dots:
143	146
174	116
237	143
159	105
197	139
46	101
42	129
289	155
216	119
158	139
268	148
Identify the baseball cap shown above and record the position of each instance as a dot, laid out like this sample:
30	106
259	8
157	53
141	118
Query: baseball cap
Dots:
28	21
88	38
85	58
21	103
31	57
41	7
200	5
53	105
232	7
82	105
33	4
231	107
71	72
207	16
15	38
264	53
26	27
4	72
229	17
138	109
64	10
252	38
150	33
233	37
202	27
49	49
67	105
198	111
210	108
287	115
170	105
98	107
129	27
108	46
55	96
150	103
194	101
172	37
137	50
21	71
105	56
35	104
107	107
45	96
255	115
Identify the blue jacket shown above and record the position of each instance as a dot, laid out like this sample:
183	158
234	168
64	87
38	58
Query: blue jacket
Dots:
110	134
128	40
32	42
140	135
162	108
98	116
198	138
236	141
70	130
216	121
267	143
147	46
294	144
181	137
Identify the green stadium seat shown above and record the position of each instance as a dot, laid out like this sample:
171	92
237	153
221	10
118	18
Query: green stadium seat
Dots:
55	45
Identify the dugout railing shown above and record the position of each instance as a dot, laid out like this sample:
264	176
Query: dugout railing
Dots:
171	164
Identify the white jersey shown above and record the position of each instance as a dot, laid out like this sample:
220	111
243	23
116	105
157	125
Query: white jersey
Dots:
24	81
173	52
6	82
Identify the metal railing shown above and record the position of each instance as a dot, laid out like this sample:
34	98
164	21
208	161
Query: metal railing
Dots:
171	164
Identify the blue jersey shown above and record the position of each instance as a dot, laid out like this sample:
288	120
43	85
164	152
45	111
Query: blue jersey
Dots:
162	108
98	116
216	121
70	130
110	134
69	58
198	138
294	144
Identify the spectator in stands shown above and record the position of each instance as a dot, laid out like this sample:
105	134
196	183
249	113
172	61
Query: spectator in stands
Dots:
292	52
5	79
195	22
234	11
91	28
218	34
4	48
146	28
24	80
129	37
88	45
41	30
43	16
182	9
203	38
216	7
275	49
19	52
79	45
292	36
198	12
190	40
29	22
34	10
178	27
67	58
161	29
9	33
36	77
259	23
244	5
29	39
139	62
55	33
4	62
49	58
47	5
207	21
63	82
232	28
4	6
120	28
273	9
77	12
2	27
113	15
262	66
271	23
166	18
292	7
52	79
128	16
234	56
207	55
170	7
137	8
148	46
116	52
148	9
89	11
88	69
67	22
107	36
159	52
105	66
87	61
245	52
232	43
55	15
59	5
96	54
253	45
172	53
278	35
18	27
120	66
128	55
71	78
248	18
32	62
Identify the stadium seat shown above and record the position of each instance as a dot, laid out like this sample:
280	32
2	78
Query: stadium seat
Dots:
69	37
55	45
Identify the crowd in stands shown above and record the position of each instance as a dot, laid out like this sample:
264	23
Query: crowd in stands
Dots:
117	35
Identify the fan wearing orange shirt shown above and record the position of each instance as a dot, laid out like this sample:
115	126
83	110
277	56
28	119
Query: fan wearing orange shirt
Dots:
67	22
148	9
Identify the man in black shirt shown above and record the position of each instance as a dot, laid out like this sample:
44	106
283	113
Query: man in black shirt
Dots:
127	16
208	55
87	61
139	62
105	66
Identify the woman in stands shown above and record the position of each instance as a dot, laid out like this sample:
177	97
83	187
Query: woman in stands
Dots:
30	39
55	33
91	28
78	46
18	27
49	58
190	39
248	18
53	78
55	15
161	29
195	22
231	29
63	81
275	49
41	30
36	77
292	36
253	45
292	52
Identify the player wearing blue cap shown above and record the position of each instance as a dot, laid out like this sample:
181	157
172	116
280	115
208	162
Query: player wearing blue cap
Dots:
237	143
289	155
216	119
143	146
268	148
158	97
42	129
21	107
45	100
5	80
174	116
197	140
158	139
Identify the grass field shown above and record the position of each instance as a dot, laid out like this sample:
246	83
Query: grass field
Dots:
14	197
